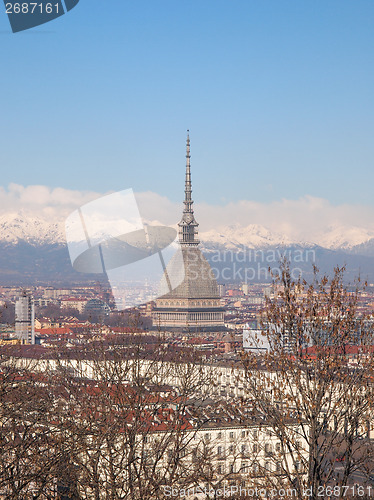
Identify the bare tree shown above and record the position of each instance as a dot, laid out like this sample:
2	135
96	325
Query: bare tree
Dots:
26	436
123	416
306	376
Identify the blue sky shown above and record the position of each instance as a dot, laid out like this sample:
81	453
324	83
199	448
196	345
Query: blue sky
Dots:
277	94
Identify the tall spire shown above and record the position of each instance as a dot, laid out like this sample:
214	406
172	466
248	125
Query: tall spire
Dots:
188	225
188	187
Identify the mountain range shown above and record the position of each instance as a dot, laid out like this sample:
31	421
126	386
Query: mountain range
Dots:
33	249
257	236
16	227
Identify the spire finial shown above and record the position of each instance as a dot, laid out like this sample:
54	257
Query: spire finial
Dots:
188	225
188	186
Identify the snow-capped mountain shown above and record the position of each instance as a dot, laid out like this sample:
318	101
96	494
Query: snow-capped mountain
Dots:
36	231
15	227
256	236
235	236
33	249
344	238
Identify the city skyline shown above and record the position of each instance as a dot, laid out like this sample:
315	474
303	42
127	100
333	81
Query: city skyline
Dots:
191	311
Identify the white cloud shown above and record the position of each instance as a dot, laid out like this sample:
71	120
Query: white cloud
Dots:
156	208
42	201
304	219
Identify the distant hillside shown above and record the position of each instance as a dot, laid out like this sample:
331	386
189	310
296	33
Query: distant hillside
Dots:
235	266
34	251
22	263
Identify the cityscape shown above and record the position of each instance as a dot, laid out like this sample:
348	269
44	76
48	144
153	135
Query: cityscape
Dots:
187	250
205	387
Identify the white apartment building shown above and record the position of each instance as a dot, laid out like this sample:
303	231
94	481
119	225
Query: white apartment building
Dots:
25	318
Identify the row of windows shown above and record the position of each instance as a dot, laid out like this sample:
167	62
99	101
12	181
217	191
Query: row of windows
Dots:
207	316
234	467
245	468
233	435
190	304
244	448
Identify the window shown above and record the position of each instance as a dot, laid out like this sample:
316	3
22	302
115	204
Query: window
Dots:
231	449
220	469
297	465
244	468
255	448
244	448
231	435
232	468
278	468
278	447
243	434
268	448
219	435
255	434
219	450
207	436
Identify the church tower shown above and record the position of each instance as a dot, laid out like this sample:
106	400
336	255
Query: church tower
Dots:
194	305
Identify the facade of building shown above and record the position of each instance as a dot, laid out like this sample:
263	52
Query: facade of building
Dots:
25	318
240	453
195	304
74	303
